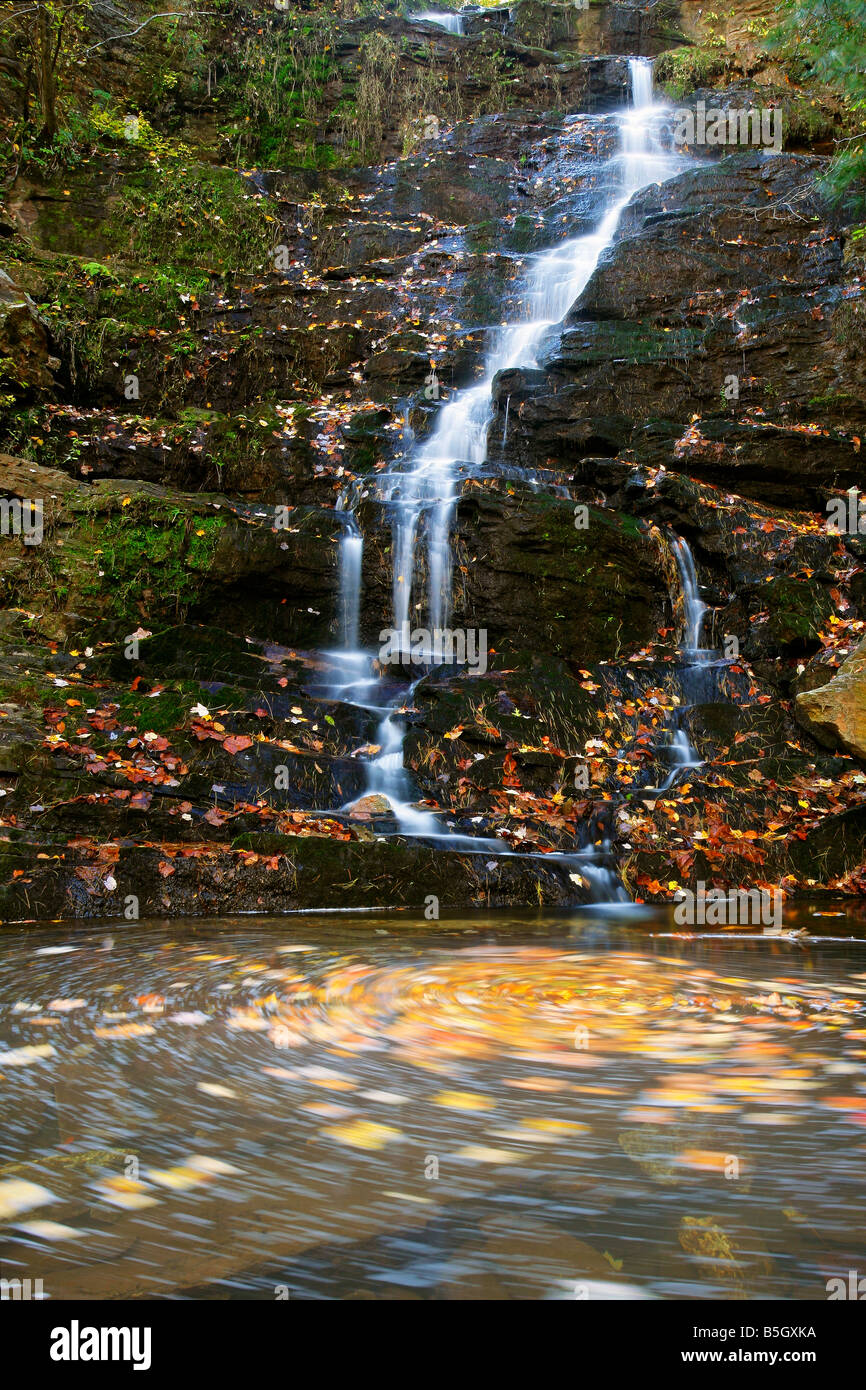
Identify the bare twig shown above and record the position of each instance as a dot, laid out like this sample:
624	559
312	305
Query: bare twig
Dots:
165	14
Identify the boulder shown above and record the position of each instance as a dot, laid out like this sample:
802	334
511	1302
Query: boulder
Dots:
836	713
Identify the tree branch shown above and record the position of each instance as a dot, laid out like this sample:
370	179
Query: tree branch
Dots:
167	14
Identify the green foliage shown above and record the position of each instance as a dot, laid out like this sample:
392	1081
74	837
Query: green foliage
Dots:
47	41
95	311
824	40
196	219
390	94
683	70
97	271
103	123
278	78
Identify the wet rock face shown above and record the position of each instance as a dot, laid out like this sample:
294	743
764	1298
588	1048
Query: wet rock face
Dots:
604	28
25	355
536	573
122	552
274	874
227	740
540	579
695	312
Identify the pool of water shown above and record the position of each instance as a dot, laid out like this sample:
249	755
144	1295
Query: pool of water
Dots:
596	1104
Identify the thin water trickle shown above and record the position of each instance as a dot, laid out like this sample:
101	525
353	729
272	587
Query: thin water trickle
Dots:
694	667
694	608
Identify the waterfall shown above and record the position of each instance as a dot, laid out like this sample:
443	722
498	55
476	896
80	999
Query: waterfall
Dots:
458	443
452	22
641	80
693	608
350	564
697	664
351	556
407	436
421	495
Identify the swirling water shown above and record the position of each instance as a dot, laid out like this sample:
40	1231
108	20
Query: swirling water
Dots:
507	1106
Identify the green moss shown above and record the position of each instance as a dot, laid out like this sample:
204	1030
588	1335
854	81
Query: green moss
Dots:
170	710
804	121
682	70
834	400
194	653
798	611
27	691
147	560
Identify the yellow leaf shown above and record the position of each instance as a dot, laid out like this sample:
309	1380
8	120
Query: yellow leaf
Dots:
462	1100
363	1134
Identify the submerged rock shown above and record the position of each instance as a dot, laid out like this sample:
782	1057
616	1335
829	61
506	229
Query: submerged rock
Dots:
367	807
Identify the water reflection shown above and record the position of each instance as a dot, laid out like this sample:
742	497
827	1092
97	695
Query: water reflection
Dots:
592	1105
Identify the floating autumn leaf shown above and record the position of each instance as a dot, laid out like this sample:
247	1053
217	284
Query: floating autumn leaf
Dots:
125	1030
25	1056
462	1100
236	743
363	1134
479	1153
213	1088
18	1195
127	1193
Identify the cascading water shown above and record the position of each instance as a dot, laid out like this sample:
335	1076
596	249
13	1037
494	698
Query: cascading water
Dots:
458	443
693	606
351	560
641	76
421	497
452	22
697	664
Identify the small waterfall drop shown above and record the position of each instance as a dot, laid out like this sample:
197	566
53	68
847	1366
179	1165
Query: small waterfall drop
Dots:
694	609
641	80
696	667
350	561
444	18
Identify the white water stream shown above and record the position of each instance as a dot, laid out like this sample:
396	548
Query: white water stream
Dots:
695	664
421	498
452	22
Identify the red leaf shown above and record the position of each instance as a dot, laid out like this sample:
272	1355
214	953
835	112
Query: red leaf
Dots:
236	743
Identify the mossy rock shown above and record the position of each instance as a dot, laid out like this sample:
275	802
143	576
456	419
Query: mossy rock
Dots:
798	611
